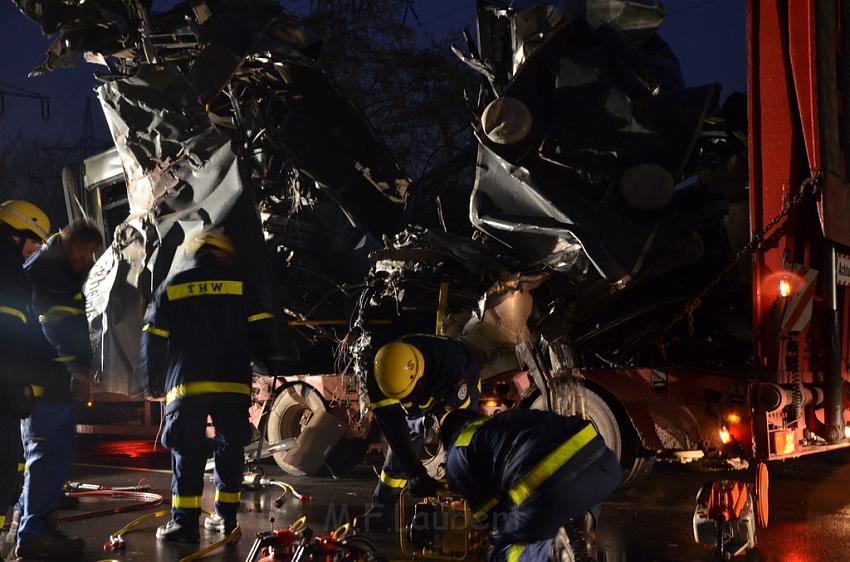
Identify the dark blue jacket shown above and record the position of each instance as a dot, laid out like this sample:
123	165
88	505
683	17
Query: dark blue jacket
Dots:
60	341
200	332
451	381
14	318
498	462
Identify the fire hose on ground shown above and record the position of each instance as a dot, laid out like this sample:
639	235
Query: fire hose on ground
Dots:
117	542
147	499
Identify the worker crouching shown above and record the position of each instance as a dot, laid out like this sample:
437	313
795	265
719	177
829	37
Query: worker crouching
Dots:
200	332
417	375
535	478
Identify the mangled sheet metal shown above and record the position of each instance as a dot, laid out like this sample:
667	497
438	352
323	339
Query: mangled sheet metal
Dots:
586	133
601	200
212	106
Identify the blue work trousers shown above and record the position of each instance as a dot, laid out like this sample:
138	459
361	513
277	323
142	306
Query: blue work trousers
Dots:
526	532
49	440
185	436
10	458
393	474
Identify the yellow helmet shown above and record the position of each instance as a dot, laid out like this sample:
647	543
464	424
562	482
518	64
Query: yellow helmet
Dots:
26	217
398	367
216	239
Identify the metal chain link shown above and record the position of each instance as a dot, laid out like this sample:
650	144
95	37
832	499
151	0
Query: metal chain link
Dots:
809	189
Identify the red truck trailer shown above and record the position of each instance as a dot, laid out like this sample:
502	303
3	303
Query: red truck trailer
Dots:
794	401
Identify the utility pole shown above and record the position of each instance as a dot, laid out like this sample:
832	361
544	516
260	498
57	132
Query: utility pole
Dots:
9	90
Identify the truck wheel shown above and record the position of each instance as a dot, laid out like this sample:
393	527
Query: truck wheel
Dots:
433	455
290	412
618	434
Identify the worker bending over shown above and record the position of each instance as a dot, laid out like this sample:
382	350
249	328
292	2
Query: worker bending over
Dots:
200	331
61	377
23	227
413	376
535	478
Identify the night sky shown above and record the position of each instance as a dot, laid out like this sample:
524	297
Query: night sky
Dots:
707	35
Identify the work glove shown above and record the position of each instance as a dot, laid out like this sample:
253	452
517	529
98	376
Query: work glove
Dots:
81	386
423	486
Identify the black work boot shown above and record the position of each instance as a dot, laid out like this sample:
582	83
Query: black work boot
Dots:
219	523
52	545
377	519
178	532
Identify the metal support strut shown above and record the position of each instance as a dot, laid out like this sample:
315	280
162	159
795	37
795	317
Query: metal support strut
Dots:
833	380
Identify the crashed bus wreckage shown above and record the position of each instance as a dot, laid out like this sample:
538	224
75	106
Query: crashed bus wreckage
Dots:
606	197
626	258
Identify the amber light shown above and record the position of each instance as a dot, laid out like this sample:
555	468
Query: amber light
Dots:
89	404
725	436
733	418
491	403
785	288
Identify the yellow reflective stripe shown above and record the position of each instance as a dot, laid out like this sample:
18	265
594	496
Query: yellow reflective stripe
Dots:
427	404
37	390
78	297
464	438
59	312
186	502
64	359
206	387
465	404
2	520
407	404
14	312
227	497
516	551
549	465
260	316
151	329
485	508
203	289
384	403
392	482
21	467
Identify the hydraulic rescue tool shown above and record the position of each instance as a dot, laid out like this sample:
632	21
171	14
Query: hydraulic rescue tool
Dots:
298	543
728	511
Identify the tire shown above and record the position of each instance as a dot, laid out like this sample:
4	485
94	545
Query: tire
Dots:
618	434
290	412
433	455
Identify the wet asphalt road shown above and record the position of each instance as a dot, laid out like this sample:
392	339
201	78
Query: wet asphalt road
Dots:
810	511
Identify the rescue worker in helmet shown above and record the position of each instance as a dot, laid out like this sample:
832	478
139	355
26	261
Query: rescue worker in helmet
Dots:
23	227
533	477
61	376
200	332
414	376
